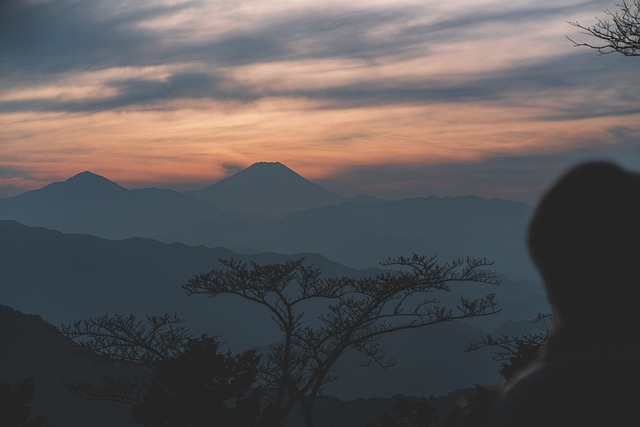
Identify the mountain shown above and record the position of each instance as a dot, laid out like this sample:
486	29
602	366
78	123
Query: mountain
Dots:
362	199
64	277
92	204
32	347
67	277
358	233
266	188
362	235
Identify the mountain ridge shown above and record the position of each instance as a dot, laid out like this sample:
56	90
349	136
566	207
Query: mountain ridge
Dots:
68	277
359	235
92	204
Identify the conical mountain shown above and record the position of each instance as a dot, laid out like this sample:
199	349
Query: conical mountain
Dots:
89	181
92	204
268	188
80	186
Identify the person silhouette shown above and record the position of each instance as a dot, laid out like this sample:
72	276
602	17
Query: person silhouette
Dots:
584	238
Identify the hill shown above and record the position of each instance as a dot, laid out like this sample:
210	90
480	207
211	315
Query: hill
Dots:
32	347
362	235
64	277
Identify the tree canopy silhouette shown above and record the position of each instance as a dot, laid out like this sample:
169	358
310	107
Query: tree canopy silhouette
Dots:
200	386
516	352
620	32
14	405
185	381
354	314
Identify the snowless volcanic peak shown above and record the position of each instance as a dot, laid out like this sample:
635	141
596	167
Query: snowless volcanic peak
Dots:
89	181
267	187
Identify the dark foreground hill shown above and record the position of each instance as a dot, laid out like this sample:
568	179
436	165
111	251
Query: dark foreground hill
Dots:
31	347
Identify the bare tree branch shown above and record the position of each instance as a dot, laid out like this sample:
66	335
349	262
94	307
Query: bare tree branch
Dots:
619	33
123	338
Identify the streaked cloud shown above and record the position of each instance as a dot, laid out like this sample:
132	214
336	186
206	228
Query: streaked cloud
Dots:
176	91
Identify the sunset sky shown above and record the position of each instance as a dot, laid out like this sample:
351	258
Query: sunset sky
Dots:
391	98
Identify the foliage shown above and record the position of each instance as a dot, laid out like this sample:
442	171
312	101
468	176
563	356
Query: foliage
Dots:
187	382
355	313
620	33
14	405
407	413
516	352
201	385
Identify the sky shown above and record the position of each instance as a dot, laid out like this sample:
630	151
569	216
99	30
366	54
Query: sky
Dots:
389	98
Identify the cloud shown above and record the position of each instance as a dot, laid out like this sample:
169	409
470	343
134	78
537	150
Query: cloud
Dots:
324	75
567	85
517	177
8	171
60	39
231	167
15	180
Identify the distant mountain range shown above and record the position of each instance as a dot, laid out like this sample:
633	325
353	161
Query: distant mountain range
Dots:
89	203
269	207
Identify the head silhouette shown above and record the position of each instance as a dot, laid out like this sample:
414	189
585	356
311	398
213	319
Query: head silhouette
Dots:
585	241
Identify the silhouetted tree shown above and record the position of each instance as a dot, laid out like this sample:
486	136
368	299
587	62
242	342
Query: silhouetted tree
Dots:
355	313
187	382
14	405
618	33
202	387
516	352
406	413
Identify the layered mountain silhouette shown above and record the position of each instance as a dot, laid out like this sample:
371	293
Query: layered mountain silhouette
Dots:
64	277
268	188
92	204
361	236
358	233
67	277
